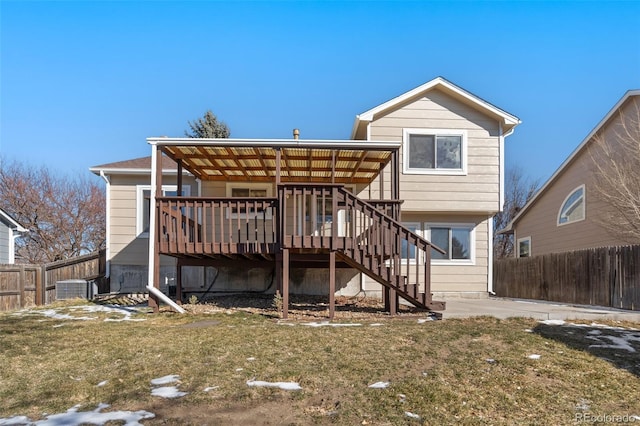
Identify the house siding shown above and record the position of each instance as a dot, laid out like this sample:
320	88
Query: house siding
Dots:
5	240
440	198
452	278
128	252
478	190
540	220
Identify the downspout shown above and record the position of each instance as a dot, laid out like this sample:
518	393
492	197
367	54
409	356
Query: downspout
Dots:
490	258
501	138
107	223
152	234
160	295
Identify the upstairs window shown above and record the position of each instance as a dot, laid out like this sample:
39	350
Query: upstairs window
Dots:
435	151
572	209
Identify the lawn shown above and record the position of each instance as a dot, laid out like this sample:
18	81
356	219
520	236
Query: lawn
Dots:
466	371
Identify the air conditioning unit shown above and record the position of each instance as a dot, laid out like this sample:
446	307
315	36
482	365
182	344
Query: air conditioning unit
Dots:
71	289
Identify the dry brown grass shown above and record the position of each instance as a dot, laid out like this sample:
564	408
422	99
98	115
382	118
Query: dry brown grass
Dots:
437	370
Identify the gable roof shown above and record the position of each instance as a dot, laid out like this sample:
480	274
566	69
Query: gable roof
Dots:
508	121
134	166
11	222
629	94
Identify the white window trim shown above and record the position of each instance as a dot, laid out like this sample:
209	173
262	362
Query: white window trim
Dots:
140	233
248	185
584	206
436	132
518	241
472	242
419	232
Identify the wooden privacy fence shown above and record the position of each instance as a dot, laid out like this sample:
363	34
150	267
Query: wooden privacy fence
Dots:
608	276
28	285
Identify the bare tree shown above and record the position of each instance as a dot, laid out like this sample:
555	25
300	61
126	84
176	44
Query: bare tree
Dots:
615	153
65	217
518	191
208	127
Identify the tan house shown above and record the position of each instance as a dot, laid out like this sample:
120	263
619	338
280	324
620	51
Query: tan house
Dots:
570	212
319	216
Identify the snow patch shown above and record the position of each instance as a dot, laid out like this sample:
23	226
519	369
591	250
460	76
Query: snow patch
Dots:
281	385
171	378
167	392
411	415
58	314
210	388
73	417
380	385
617	342
553	322
534	356
102	383
329	324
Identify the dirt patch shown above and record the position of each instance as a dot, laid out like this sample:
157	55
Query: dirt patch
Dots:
304	308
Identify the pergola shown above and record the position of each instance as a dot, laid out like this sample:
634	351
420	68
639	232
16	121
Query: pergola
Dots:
269	160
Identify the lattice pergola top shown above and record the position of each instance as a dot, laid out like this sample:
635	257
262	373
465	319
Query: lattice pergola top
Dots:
328	161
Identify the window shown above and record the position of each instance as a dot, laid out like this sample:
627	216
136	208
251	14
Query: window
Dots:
143	212
456	240
524	247
572	209
434	151
408	252
247	190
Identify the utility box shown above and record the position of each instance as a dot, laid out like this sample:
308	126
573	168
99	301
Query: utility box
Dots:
71	289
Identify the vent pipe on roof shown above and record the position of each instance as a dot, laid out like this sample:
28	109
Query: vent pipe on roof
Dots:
296	134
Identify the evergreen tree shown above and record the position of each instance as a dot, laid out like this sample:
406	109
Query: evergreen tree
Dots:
208	127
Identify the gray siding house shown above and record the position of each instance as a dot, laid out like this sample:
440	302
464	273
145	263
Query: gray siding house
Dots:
10	229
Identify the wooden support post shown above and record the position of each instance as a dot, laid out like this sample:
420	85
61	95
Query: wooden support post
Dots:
390	299
285	283
179	189
179	282
395	176
332	284
279	274
278	160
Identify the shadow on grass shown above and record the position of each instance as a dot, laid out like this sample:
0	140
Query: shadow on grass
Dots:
311	305
616	345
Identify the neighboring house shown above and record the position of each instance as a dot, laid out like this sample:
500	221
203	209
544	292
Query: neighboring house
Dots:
347	216
567	212
10	229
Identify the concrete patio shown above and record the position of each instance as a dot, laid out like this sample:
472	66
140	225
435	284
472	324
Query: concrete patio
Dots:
541	310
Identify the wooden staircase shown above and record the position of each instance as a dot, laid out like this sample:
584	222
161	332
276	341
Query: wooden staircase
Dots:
389	253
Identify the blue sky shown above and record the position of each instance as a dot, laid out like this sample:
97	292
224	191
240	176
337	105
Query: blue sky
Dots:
84	83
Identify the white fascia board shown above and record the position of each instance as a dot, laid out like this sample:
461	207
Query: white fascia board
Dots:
135	171
508	119
15	226
574	154
277	143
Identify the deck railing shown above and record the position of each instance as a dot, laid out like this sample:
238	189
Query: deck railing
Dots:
201	226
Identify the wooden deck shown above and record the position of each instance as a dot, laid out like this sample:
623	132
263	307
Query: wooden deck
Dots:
314	224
